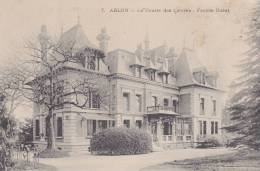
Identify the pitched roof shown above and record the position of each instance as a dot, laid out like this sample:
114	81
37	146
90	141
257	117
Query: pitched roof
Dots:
136	61
194	62
75	37
150	65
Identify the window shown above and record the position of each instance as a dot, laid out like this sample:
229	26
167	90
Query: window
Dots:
214	102
91	63
216	127
102	124
204	127
139	102
127	123
37	127
174	105
202	106
165	102
201	127
154	101
212	128
111	123
203	78
167	128
138	123
58	89
113	97
126	101
95	101
152	75
138	72
165	78
59	127
179	129
91	127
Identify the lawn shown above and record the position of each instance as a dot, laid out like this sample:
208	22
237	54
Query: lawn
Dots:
25	166
244	160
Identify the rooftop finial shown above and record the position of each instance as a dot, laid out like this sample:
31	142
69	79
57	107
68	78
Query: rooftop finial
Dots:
146	41
184	42
78	19
61	30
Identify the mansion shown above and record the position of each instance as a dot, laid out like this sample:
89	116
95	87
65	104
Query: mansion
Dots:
173	97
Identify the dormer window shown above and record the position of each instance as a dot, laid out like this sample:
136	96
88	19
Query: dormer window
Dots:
93	63
200	77
137	67
137	72
151	74
212	79
165	78
90	58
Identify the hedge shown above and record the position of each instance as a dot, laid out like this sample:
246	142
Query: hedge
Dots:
121	141
211	141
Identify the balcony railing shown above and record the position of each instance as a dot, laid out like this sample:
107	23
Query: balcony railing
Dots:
177	138
167	138
161	108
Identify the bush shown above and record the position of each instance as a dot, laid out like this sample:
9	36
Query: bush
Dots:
209	142
121	141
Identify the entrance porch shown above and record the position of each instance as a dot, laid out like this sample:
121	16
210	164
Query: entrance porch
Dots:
168	127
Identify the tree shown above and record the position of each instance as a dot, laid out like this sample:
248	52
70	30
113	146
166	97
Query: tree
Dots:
26	131
244	106
46	79
7	125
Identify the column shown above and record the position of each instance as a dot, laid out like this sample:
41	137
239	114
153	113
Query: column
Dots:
159	131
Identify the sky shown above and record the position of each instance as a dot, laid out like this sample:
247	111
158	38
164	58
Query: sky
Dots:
217	37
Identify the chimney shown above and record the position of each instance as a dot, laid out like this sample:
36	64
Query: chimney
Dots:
43	39
103	39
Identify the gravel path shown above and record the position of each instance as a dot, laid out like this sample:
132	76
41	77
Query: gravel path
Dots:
87	162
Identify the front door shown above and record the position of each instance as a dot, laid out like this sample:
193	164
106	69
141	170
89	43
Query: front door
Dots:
154	131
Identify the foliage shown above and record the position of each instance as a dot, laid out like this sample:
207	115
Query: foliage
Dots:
121	141
7	125
244	106
26	131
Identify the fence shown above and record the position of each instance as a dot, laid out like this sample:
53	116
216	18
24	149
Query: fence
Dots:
28	154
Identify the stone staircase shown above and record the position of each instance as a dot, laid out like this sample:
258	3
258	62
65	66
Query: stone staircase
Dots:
156	147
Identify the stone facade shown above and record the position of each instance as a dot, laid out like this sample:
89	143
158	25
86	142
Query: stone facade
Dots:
174	97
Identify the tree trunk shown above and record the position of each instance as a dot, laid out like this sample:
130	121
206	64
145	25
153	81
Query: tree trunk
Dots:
50	130
51	139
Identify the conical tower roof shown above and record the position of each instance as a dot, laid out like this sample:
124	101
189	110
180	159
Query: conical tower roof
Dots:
75	38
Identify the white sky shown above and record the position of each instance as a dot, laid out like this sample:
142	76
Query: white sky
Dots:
219	36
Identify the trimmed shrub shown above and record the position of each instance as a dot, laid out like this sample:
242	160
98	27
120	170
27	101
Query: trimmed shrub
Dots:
121	141
209	142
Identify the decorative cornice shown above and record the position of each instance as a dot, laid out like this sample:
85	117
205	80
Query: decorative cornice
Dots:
141	80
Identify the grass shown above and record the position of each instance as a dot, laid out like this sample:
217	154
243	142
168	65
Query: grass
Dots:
237	161
25	166
50	153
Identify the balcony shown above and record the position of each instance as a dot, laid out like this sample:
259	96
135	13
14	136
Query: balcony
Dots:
161	110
